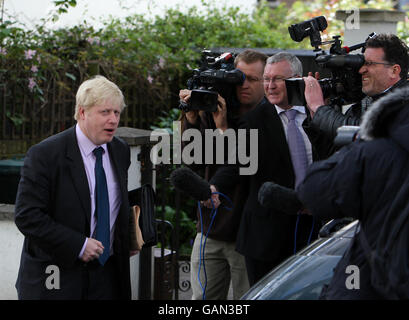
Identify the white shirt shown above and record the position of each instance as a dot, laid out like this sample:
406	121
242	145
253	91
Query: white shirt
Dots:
87	147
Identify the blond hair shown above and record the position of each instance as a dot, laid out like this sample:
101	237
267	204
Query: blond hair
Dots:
97	90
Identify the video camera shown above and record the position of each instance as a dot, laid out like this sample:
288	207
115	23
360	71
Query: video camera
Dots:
217	75
345	85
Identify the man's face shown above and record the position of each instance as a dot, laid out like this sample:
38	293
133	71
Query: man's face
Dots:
251	91
100	122
376	78
274	84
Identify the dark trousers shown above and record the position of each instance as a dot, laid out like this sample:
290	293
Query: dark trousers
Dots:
101	282
256	269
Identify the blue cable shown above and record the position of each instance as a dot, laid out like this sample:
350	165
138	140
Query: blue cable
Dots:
296	229
200	248
312	229
204	246
201	252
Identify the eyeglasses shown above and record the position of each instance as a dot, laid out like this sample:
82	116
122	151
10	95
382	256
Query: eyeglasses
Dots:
274	80
371	63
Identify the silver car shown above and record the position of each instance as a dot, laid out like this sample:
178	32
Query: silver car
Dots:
302	276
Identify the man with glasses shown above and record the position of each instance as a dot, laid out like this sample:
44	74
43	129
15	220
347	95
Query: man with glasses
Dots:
266	236
385	68
72	205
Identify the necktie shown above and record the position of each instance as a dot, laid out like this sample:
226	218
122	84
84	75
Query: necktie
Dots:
297	147
101	206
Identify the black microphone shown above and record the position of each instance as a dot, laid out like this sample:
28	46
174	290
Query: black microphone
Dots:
188	182
282	199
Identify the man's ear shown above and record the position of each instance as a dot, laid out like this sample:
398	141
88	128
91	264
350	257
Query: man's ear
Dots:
396	69
81	113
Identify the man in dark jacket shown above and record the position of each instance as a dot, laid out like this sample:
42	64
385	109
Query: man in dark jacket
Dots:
72	205
367	180
385	68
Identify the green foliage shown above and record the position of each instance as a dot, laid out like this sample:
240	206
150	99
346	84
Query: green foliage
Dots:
403	28
166	120
62	6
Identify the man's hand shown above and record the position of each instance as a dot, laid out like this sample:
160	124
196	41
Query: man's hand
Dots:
220	116
191	116
93	250
313	94
316	75
215	199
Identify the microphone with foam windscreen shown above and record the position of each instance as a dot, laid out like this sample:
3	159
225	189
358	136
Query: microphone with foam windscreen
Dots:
282	199
190	183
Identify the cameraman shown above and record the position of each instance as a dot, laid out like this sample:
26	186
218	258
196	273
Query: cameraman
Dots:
385	68
221	260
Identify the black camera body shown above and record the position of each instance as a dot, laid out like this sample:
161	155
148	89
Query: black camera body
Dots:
217	75
345	85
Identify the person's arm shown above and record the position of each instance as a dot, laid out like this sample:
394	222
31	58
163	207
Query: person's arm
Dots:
33	203
91	250
328	120
324	117
191	118
220	116
228	175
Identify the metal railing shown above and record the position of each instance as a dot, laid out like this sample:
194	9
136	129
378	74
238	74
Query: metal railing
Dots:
172	276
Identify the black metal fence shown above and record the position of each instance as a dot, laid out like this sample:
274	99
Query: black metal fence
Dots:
172	270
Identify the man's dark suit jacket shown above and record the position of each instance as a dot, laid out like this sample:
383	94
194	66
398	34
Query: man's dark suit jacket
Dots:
53	211
265	234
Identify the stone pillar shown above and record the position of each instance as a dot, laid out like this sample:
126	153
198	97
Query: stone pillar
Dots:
359	23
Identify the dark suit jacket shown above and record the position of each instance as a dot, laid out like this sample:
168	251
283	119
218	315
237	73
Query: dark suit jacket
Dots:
265	234
53	211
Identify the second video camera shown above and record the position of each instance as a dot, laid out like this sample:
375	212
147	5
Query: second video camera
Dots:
345	85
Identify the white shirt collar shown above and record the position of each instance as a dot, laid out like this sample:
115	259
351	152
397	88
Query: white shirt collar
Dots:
300	109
